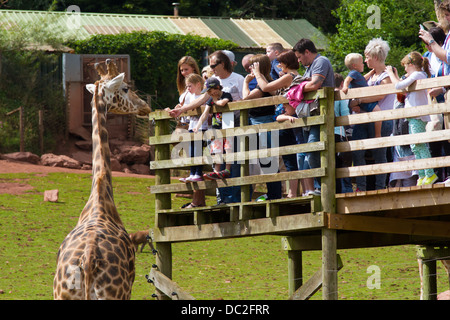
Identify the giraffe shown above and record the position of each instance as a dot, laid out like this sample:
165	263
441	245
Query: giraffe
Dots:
96	260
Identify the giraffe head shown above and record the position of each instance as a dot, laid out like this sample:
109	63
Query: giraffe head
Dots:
116	94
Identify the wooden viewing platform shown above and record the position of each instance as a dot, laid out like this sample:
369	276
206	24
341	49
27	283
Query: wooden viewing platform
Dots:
392	216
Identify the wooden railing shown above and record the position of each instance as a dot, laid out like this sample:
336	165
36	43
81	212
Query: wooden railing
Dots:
164	139
440	135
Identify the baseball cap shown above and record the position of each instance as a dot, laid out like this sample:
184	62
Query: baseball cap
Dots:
212	83
230	55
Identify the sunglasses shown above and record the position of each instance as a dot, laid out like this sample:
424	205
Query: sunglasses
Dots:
212	66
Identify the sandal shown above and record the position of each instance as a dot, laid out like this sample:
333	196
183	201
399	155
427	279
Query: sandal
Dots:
185	205
190	206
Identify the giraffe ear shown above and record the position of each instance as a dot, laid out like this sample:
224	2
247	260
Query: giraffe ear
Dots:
90	88
115	83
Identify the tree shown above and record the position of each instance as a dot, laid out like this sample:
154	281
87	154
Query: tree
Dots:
397	22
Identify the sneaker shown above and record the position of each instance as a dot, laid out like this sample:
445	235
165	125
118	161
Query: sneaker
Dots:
261	198
447	182
315	192
225	174
185	179
194	178
420	181
430	180
211	176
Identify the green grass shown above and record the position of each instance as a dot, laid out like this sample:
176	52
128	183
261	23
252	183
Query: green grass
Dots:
31	231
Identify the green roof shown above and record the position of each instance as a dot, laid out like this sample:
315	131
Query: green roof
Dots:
247	33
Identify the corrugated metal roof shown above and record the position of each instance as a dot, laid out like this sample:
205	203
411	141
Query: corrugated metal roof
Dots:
227	29
260	32
247	33
195	26
294	30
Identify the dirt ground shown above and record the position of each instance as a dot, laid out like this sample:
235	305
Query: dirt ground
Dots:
23	167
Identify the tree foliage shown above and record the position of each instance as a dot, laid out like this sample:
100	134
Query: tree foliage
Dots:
397	22
154	57
30	78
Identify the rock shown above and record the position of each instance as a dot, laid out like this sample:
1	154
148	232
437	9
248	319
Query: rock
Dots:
115	165
84	145
82	132
444	295
140	168
22	156
126	170
51	195
86	167
134	154
83	157
52	160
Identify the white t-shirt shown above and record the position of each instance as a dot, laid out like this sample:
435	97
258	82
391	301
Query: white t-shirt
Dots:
415	98
233	85
193	120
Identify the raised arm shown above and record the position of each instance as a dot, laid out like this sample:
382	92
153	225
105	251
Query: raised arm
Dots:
440	52
266	86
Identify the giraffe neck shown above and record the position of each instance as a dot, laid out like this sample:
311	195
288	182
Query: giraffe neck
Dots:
101	200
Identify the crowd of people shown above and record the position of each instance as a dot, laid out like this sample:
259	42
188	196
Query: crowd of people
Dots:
276	73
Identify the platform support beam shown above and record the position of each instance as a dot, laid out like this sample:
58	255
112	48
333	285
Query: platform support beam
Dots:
295	270
329	236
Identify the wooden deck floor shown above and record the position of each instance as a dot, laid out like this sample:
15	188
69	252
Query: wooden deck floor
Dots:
413	215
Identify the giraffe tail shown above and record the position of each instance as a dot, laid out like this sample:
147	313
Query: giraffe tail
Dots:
89	265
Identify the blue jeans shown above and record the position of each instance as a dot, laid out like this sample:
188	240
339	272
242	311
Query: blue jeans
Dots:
312	159
287	138
268	165
230	194
367	131
196	150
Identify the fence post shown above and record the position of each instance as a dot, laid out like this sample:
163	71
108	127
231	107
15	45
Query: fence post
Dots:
245	190
22	129
162	201
328	193
41	130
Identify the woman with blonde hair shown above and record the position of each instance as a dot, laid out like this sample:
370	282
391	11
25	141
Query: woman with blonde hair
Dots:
375	54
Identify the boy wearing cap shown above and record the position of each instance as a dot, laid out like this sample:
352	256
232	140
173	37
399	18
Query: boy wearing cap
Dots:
217	146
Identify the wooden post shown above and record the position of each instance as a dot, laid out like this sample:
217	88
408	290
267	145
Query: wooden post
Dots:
22	129
245	211
429	279
328	192
162	201
295	271
428	257
41	130
162	176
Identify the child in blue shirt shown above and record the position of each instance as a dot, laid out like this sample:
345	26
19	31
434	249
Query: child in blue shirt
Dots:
355	63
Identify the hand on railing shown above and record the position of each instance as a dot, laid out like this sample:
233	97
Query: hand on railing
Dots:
175	113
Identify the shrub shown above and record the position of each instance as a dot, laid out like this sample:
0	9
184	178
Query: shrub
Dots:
154	57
